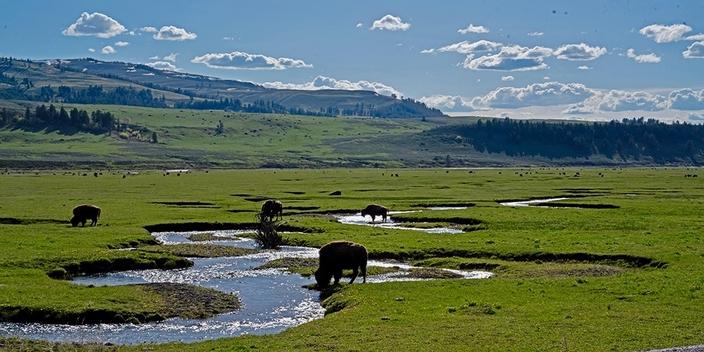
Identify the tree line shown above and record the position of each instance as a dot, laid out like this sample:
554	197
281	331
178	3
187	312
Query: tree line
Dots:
59	118
258	106
629	139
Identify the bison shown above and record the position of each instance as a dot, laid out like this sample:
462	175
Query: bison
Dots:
84	212
272	209
338	255
375	210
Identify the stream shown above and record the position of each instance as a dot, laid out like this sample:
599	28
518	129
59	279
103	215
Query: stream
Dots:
272	299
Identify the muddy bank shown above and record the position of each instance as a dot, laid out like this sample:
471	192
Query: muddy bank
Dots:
625	260
69	270
178	300
204	250
222	226
31	221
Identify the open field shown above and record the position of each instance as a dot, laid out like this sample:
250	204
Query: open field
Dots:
625	278
189	138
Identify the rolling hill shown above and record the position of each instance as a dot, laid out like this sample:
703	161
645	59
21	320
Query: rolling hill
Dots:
29	80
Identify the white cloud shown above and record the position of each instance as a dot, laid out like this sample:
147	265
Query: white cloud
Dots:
473	29
359	25
579	52
467	47
643	58
584	67
95	24
390	23
535	34
107	50
447	102
91	50
121	44
243	61
546	78
174	33
694	51
507	78
697	37
156	57
149	29
687	99
322	82
162	65
511	58
696	117
665	34
171	57
228	38
536	94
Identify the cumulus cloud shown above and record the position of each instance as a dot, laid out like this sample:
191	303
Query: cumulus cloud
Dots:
473	29
579	52
174	33
359	25
507	78
535	34
171	57
536	94
91	50
694	51
697	37
243	61
687	99
322	82
95	24
643	58
149	29
107	50
162	65
467	47
584	67
696	117
390	23
511	58
664	33
446	102
121	44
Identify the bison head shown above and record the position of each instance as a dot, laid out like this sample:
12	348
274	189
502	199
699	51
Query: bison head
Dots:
365	213
74	221
322	278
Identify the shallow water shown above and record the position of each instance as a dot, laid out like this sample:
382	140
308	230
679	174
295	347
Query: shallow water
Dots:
272	299
358	219
532	202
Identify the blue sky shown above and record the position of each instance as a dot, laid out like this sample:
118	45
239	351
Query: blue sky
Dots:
290	43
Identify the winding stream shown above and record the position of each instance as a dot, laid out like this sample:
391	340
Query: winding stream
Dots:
272	299
532	202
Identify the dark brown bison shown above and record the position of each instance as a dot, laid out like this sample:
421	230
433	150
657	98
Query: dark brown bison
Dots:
84	212
272	209
375	210
338	255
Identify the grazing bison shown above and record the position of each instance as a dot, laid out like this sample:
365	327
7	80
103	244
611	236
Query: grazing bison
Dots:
338	255
375	210
84	212
272	209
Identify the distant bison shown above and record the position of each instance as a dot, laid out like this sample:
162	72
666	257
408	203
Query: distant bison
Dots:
339	255
84	212
272	209
375	210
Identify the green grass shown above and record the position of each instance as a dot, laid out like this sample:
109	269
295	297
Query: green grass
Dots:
528	305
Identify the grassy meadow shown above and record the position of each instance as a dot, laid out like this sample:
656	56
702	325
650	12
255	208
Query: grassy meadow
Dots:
626	278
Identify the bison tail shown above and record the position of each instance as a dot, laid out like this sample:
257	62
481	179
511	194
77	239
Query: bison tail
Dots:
97	215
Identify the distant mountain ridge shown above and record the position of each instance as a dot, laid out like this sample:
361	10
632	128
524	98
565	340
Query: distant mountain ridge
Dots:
24	79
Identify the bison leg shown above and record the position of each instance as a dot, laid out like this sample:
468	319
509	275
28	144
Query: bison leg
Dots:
94	222
364	272
83	222
373	217
338	275
384	217
355	272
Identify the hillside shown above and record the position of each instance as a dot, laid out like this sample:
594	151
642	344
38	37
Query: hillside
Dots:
41	81
138	137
